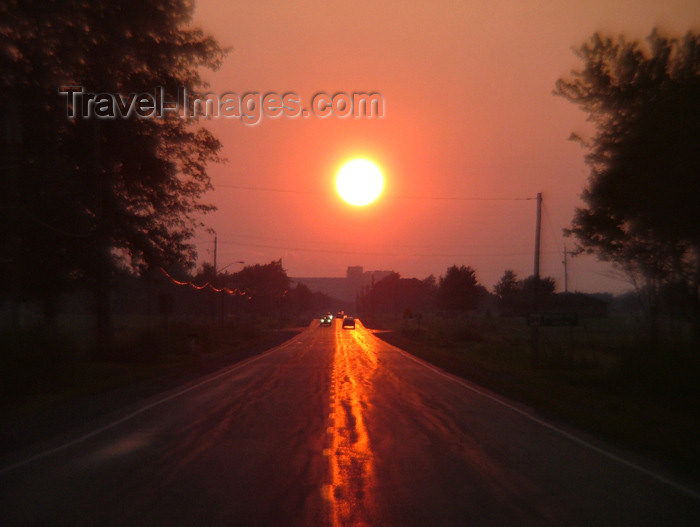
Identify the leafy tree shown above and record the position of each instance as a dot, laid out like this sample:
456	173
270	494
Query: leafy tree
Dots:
267	286
431	281
643	195
84	198
508	291
536	296
458	290
516	297
301	299
396	295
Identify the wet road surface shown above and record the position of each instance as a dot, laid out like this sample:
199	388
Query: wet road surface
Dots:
337	428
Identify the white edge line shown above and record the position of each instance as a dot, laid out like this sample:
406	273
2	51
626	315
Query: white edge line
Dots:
564	433
141	410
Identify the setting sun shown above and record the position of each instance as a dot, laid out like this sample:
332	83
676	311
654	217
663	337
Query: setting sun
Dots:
359	182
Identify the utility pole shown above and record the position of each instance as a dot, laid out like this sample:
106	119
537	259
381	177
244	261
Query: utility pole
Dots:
566	272
535	328
566	290
538	228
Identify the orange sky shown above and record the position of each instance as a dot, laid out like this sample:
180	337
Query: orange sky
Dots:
469	113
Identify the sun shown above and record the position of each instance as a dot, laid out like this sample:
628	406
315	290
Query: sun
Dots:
359	182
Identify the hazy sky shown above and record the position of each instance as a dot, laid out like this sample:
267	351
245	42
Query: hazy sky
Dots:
470	128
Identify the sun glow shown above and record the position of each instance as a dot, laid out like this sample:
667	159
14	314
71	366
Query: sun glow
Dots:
359	182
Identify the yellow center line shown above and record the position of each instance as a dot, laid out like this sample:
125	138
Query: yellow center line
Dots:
352	474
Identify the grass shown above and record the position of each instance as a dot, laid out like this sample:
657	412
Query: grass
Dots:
598	376
45	366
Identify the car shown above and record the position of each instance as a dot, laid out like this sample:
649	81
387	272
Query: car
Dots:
326	320
348	323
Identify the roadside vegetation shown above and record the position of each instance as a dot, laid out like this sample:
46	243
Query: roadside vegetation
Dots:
45	366
599	376
161	326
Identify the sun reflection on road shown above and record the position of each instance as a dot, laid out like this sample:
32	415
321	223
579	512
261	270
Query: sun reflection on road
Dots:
351	491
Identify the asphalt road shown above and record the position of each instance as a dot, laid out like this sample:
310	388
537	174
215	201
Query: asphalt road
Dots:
337	428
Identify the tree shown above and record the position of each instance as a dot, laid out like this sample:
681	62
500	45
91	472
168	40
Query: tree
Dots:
301	299
395	295
536	296
508	292
267	286
516	297
643	194
85	198
458	290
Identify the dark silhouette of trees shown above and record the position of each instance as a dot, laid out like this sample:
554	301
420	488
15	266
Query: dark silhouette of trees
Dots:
517	297
267	286
459	290
643	195
398	296
533	295
300	300
85	198
508	291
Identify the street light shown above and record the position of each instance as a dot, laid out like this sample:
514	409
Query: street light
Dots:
229	265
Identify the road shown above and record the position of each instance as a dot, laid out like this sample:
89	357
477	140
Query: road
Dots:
334	428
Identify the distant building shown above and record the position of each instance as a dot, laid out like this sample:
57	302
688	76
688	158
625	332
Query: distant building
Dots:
354	283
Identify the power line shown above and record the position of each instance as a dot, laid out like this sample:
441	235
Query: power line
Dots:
345	244
461	198
266	189
207	285
365	253
421	197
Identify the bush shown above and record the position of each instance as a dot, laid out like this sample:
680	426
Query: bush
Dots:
31	359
